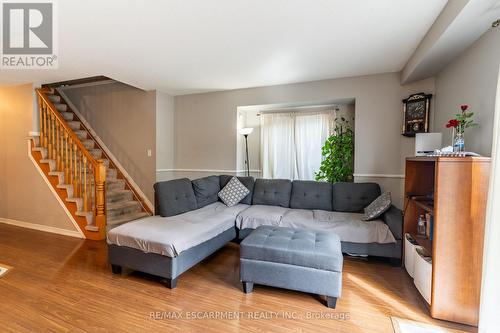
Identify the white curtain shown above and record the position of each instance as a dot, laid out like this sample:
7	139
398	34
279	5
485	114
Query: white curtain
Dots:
277	145
291	143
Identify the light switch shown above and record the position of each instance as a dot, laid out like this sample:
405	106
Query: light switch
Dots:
149	152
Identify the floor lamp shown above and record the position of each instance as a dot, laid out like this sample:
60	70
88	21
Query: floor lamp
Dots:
245	132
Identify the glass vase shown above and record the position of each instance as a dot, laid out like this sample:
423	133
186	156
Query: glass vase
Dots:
458	141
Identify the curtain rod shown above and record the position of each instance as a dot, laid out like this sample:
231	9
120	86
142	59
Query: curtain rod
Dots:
291	110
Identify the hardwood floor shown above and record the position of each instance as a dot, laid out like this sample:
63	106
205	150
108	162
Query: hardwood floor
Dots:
62	284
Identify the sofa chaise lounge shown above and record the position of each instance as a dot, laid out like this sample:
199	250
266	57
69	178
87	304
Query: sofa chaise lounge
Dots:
191	222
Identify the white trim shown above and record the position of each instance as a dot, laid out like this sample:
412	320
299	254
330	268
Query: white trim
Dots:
378	175
363	175
41	227
37	167
206	170
34	133
105	148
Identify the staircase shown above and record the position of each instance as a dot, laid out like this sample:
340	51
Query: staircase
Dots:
94	190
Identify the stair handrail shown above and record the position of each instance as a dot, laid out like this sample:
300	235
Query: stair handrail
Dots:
99	213
74	137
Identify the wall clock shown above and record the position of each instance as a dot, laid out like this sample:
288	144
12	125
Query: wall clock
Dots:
416	110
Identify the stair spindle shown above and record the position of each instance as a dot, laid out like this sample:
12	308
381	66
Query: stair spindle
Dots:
49	141
66	169
75	169
42	131
61	142
85	197
80	182
92	190
58	146
42	123
54	152
45	125
70	176
63	133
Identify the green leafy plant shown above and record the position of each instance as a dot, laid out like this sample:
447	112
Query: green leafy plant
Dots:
338	154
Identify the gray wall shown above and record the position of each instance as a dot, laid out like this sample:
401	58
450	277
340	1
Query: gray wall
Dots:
165	110
125	119
206	124
471	79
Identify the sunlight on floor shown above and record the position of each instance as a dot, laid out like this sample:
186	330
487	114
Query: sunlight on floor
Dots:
382	296
4	269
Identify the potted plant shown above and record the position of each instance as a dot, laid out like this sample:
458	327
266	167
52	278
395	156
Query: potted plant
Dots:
461	121
338	154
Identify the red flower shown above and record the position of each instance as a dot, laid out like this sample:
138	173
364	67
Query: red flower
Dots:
464	107
452	123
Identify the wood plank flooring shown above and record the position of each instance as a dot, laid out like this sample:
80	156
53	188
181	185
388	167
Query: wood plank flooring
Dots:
63	284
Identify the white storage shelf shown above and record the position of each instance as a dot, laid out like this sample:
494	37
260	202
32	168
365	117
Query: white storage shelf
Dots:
418	264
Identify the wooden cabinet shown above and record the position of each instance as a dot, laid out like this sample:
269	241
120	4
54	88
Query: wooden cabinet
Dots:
454	191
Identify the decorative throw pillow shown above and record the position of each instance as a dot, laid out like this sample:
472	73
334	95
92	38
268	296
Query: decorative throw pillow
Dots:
378	207
233	192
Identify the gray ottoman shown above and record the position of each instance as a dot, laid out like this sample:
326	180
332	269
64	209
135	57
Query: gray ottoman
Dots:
296	259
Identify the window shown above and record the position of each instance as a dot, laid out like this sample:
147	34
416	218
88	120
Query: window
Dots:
291	143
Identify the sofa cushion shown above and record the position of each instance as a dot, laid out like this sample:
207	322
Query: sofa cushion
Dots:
174	197
233	192
378	207
257	215
206	190
247	181
273	192
354	197
308	194
348	226
300	247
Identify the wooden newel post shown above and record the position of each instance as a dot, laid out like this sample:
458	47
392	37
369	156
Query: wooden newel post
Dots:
100	195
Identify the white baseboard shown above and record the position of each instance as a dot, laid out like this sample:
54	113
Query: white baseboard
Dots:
40	227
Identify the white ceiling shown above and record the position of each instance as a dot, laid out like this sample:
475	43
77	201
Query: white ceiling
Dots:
459	25
187	46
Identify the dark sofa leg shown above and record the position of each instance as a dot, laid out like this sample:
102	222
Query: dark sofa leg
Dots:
170	283
247	287
116	269
331	302
395	262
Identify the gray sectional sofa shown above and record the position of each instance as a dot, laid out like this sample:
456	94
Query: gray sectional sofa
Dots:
191	223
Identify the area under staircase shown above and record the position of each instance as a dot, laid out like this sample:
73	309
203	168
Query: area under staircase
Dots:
92	187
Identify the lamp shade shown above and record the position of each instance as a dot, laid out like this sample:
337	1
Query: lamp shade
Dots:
246	130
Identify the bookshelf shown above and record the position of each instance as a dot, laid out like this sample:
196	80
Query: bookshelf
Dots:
453	190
